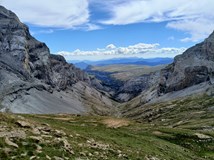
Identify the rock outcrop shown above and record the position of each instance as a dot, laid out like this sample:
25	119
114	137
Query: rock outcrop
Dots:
29	72
191	74
194	66
31	59
135	86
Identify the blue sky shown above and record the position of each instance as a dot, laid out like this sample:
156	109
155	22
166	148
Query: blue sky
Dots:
95	29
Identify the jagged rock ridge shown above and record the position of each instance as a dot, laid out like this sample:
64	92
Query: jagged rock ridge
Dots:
194	66
191	74
30	58
34	81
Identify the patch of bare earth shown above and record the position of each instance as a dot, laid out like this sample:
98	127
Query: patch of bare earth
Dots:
157	133
115	123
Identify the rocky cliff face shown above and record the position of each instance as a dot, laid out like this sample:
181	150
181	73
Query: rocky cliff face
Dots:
27	68
191	74
135	86
194	66
30	58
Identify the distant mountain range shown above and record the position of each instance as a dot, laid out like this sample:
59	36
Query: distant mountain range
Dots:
134	60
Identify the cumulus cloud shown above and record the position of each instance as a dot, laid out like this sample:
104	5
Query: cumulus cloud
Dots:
195	17
110	46
44	31
51	13
198	28
138	50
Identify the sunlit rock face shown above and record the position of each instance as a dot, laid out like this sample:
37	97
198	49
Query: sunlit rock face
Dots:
194	66
31	58
34	81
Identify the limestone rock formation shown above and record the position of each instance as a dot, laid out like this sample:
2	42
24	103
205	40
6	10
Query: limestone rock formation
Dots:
31	59
34	81
194	66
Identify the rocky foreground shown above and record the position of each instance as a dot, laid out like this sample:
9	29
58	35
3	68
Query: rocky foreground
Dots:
178	130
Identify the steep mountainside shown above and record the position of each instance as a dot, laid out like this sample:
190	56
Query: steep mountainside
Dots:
190	74
31	76
194	66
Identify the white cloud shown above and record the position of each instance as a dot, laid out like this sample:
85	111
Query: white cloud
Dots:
92	27
198	28
44	31
111	51
195	17
87	27
51	13
110	46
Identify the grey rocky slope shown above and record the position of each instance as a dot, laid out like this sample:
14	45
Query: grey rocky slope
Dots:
194	66
191	73
34	81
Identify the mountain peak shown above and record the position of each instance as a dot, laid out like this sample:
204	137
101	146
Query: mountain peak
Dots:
194	66
212	34
211	37
4	13
34	81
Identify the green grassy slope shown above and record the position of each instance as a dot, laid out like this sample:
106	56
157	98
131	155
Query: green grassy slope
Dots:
178	130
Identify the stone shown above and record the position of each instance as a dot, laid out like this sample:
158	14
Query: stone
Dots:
67	146
48	157
71	136
45	129
203	136
10	143
58	158
90	154
151	158
83	154
36	138
24	124
59	133
38	149
46	136
13	134
24	154
33	157
96	153
96	145
35	131
45	133
7	150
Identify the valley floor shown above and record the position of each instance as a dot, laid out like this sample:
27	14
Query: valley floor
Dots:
77	137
